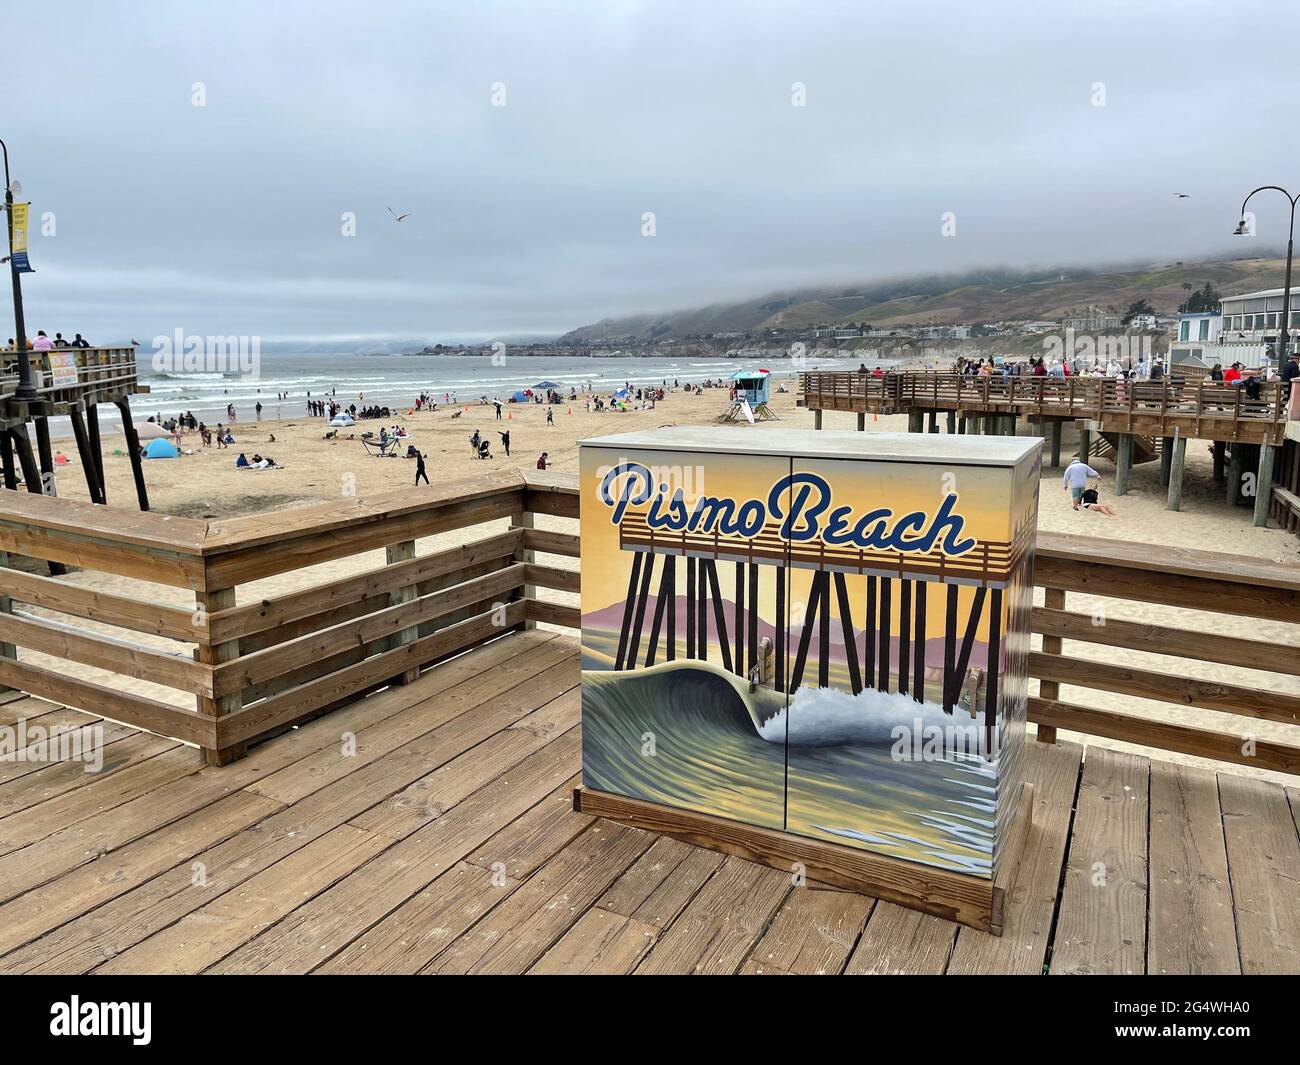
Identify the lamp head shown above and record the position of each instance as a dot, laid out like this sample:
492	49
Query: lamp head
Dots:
1240	231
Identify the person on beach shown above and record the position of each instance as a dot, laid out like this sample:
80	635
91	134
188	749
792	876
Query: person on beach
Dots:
419	468
550	416
542	462
241	462
1092	501
505	441
1076	480
497	403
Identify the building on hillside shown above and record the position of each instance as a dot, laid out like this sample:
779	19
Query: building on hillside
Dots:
944	332
1094	321
1144	321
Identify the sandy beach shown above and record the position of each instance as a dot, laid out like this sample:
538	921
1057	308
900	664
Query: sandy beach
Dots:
207	484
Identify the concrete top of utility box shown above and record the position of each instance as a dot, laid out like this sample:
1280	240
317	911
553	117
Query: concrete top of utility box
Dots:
954	449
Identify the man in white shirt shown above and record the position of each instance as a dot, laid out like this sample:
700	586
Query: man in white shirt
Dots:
1076	480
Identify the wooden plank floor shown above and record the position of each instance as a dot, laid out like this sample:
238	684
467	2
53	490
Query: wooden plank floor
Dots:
428	828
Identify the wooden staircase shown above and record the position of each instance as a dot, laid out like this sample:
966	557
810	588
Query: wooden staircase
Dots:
1145	448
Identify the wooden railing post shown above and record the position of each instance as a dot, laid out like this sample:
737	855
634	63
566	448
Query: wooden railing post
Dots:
214	654
7	650
393	554
1053	599
528	520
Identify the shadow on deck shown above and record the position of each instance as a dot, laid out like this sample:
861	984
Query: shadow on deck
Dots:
428	828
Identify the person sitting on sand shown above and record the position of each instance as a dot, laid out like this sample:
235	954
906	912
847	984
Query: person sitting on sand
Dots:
1076	479
241	463
1091	501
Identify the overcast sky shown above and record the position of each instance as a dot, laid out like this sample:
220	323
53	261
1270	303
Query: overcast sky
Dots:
527	218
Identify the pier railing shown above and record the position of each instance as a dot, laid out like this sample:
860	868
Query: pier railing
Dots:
203	613
70	374
1193	405
189	630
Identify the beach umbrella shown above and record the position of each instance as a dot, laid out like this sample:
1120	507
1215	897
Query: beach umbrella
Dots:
149	431
160	449
546	384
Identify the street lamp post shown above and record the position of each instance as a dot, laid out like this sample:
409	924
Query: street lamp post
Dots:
1284	323
26	386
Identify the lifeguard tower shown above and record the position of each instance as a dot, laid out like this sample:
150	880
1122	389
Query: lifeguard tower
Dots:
752	392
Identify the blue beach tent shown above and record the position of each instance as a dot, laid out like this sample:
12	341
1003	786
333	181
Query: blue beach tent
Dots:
160	448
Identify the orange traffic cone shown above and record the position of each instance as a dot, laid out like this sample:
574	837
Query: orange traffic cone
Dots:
570	411
510	416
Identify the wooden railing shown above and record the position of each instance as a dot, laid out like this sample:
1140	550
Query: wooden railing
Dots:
1099	398
249	659
100	373
206	611
1086	583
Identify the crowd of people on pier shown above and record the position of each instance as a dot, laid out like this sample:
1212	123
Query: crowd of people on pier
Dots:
41	342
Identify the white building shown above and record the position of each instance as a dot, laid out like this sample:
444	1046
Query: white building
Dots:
1253	317
1243	330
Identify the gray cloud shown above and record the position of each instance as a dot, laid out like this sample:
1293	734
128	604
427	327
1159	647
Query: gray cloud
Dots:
526	218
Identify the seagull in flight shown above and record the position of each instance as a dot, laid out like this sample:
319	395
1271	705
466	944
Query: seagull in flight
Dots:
398	217
1183	195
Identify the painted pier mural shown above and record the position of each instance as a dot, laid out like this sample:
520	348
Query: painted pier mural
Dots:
819	633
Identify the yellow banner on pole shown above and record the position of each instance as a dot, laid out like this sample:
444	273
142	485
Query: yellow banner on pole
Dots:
18	245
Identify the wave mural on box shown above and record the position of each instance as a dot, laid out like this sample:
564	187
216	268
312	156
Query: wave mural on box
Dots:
831	648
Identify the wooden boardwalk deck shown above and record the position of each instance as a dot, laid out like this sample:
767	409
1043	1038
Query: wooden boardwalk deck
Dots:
428	828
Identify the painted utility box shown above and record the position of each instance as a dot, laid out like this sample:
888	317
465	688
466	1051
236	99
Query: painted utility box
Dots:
821	634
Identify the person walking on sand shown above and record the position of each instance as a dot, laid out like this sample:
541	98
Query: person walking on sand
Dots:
550	416
497	403
419	468
1076	480
543	463
505	441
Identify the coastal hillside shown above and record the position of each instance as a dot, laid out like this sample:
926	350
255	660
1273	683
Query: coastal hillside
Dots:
982	296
